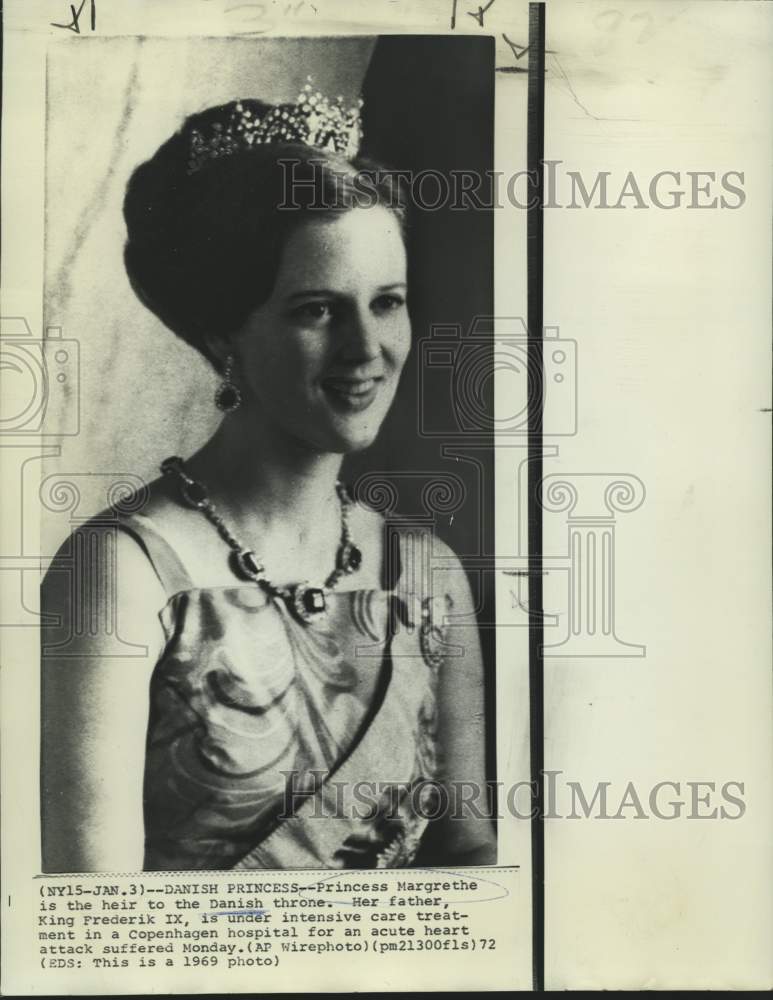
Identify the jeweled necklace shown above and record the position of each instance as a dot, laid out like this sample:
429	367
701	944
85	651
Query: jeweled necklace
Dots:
305	600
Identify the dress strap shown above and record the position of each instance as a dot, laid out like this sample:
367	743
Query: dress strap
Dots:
166	563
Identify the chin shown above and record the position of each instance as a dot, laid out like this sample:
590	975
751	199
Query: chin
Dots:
347	444
343	440
359	445
342	434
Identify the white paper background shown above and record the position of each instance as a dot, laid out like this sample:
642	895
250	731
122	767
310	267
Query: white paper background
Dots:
670	311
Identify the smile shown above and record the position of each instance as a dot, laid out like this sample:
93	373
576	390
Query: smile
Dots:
351	394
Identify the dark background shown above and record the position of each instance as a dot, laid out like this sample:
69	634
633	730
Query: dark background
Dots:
429	104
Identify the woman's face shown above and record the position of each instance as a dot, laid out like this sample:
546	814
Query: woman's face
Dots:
321	358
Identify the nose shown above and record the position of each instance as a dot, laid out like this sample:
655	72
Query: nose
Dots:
360	341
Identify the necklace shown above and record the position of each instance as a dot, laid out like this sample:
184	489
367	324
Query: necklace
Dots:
305	600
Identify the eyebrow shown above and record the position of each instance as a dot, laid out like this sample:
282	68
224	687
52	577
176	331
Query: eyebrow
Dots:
311	292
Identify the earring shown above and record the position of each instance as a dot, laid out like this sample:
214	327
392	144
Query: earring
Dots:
228	397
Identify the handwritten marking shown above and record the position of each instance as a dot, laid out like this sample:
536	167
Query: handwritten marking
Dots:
480	12
519	51
74	25
250	13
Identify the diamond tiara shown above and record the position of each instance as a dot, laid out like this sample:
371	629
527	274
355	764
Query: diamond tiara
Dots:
313	120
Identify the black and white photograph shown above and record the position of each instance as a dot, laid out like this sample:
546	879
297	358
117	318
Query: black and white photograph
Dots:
282	269
385	433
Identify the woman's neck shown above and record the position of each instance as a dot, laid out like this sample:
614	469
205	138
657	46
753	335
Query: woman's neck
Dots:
259	472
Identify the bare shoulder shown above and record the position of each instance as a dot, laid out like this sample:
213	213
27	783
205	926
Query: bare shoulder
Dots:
434	562
415	555
99	585
101	639
160	501
366	522
198	547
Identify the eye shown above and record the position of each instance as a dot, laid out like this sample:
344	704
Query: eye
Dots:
313	311
388	303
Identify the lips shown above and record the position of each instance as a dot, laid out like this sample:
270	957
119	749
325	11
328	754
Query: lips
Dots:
351	393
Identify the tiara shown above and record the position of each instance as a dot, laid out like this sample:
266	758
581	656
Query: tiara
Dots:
313	120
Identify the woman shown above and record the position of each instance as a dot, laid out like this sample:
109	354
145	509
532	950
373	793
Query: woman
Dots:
305	701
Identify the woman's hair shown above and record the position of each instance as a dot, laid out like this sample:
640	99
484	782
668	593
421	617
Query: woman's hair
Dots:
204	242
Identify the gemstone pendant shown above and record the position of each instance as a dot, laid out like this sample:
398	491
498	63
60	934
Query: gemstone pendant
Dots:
247	565
194	494
308	602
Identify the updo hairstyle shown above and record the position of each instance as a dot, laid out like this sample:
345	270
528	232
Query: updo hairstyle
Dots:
204	246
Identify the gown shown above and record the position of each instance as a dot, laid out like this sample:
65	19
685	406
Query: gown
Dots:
277	743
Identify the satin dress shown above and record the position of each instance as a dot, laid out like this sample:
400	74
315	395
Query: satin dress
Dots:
277	743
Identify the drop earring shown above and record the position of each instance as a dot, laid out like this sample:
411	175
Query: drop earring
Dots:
228	397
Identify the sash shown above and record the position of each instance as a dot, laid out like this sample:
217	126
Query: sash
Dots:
338	824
